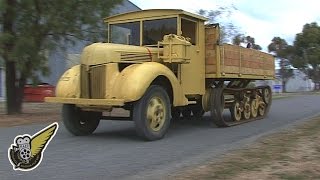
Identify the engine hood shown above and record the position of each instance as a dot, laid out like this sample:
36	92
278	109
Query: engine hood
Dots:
101	53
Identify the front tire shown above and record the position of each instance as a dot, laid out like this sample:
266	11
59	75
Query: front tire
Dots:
151	114
78	122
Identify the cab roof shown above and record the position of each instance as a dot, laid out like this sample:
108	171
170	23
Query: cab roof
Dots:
152	13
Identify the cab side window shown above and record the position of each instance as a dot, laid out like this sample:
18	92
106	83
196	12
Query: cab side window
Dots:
189	29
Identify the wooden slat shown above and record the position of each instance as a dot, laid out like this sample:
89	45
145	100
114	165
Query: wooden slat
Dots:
240	61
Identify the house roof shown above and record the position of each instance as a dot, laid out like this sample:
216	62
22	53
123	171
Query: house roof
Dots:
134	5
150	13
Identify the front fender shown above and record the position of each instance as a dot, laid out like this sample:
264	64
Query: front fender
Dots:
134	80
68	85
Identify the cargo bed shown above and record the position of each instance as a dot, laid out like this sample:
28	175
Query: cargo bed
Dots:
232	61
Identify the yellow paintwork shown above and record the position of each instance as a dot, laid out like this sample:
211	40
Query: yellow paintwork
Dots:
69	83
193	74
176	49
100	53
126	86
134	80
129	70
88	102
156	114
151	14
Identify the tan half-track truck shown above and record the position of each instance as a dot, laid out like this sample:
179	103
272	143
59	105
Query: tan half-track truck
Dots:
160	64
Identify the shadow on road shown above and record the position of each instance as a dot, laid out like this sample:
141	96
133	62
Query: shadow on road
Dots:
126	130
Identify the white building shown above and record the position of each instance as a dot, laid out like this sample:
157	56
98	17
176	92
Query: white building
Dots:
299	82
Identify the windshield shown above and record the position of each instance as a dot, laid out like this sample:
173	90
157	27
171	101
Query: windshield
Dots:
154	30
125	33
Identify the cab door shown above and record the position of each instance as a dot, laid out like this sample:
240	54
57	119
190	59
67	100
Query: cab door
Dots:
192	75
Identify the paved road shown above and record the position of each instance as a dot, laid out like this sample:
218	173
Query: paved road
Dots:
114	151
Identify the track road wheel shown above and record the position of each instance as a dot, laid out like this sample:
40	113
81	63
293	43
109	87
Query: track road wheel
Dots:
246	110
236	111
262	110
78	122
254	108
151	113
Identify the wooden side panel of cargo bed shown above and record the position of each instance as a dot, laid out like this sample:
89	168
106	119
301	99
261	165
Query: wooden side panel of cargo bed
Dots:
243	61
212	38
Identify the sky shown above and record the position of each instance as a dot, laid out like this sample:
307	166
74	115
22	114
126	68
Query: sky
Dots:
261	19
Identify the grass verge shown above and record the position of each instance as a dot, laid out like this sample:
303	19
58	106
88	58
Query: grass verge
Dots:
291	154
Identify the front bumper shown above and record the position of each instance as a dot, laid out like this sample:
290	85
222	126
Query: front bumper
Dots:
86	102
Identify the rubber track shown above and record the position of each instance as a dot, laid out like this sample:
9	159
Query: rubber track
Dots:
217	109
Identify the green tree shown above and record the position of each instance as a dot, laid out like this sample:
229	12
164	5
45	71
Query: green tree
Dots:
251	40
227	29
29	28
240	38
284	53
307	52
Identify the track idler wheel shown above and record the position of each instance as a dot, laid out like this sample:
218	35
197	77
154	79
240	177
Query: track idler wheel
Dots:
266	95
267	98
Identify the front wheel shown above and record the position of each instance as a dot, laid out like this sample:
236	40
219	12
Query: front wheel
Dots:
78	122
151	113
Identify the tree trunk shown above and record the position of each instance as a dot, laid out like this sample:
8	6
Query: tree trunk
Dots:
13	104
284	90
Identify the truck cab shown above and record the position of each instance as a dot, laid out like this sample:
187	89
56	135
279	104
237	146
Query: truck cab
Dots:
150	26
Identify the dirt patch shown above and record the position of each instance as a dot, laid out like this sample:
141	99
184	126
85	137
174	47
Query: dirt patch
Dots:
32	113
41	113
293	154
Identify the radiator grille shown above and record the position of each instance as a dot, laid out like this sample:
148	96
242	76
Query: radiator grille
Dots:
93	82
84	83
